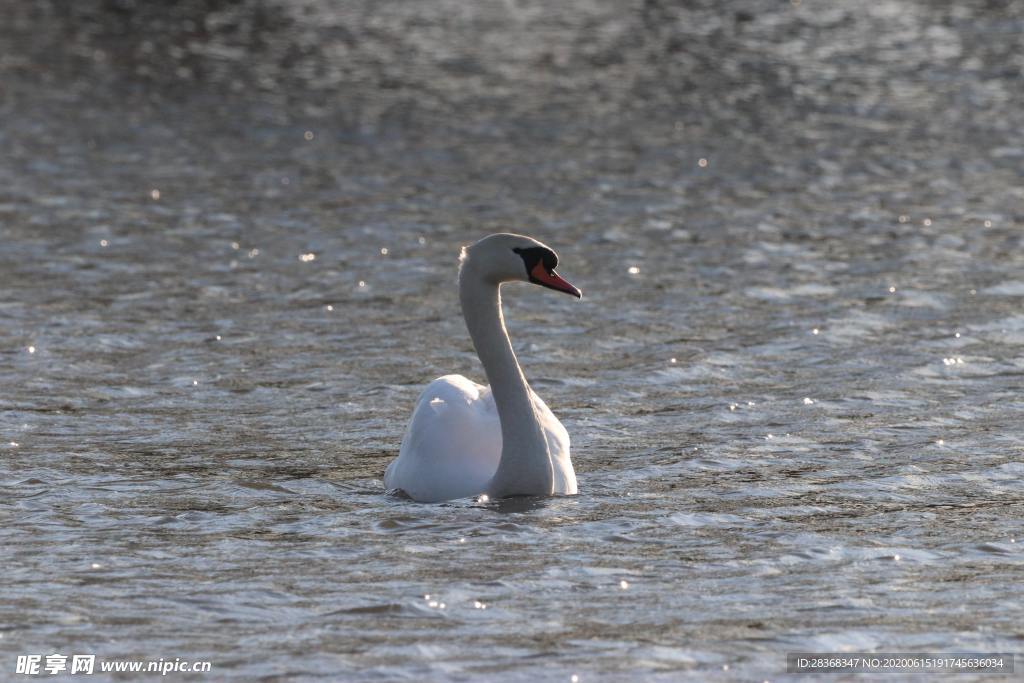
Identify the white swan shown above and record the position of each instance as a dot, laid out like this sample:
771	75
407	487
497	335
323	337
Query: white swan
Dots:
465	439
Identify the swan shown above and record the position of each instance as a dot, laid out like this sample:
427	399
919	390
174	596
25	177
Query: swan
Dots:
465	439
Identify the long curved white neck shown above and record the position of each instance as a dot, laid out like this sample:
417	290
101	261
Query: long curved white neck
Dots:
525	467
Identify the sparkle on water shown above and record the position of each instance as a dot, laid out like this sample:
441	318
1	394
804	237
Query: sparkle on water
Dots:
241	518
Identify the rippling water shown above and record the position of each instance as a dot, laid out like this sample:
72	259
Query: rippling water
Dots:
230	234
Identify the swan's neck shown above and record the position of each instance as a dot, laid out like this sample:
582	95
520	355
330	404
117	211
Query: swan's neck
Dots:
525	467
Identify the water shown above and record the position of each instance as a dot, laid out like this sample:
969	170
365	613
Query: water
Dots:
793	385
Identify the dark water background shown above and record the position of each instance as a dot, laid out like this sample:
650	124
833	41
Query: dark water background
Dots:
793	388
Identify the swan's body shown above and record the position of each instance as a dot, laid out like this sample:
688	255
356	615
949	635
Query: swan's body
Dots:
452	446
465	439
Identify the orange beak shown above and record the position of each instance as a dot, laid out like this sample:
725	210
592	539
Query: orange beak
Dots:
553	280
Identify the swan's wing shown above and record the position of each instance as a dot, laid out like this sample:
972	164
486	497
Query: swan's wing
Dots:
558	445
452	445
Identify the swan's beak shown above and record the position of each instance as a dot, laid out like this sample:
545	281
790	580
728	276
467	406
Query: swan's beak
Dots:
549	278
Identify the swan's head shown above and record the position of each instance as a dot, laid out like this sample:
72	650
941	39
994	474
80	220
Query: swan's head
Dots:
504	257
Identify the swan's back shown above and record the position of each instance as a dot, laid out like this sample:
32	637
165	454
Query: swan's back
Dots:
452	445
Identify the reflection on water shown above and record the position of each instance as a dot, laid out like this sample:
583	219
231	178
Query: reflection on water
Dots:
230	237
517	504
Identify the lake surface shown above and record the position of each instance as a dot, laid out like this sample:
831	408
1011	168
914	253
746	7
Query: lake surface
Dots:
229	246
